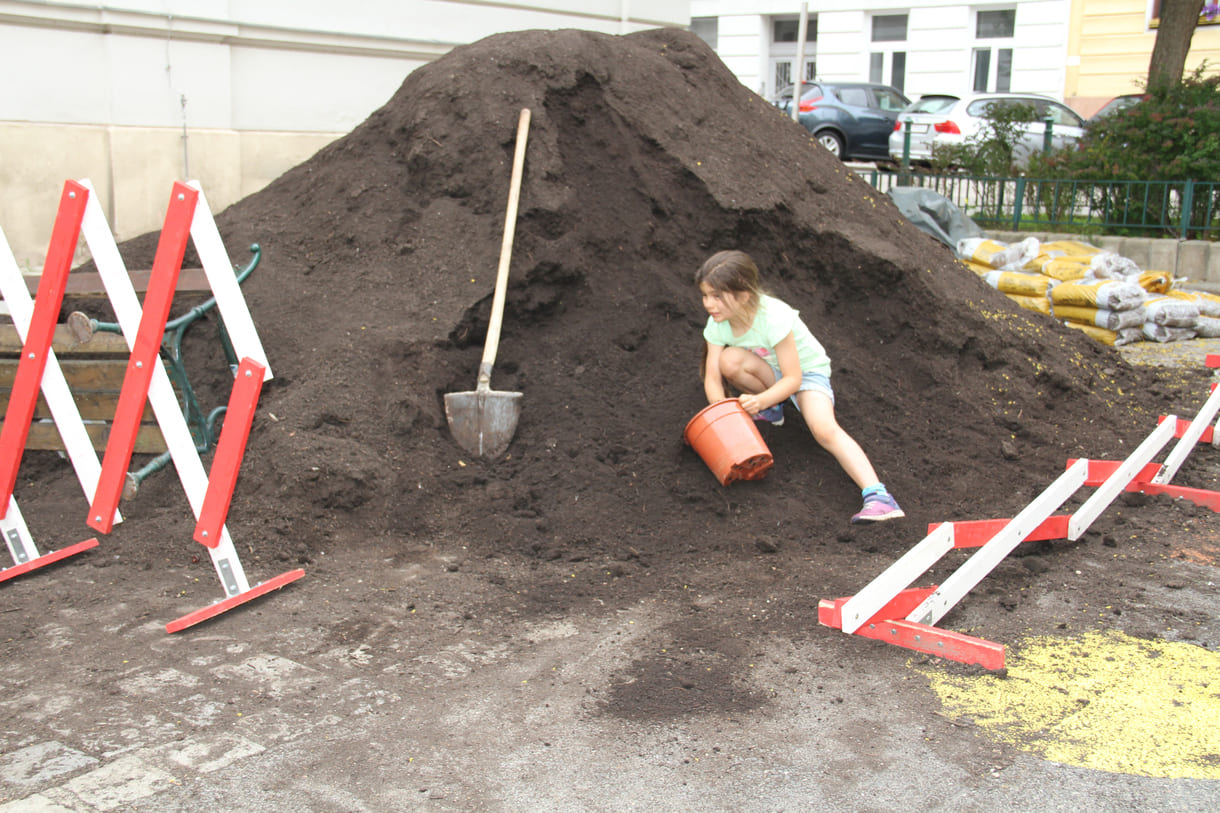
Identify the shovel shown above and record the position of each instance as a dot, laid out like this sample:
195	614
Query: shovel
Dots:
483	420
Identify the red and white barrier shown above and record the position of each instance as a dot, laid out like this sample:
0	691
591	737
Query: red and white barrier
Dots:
887	609
39	370
146	381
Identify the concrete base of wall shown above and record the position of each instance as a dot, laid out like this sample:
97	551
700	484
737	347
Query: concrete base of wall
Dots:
1196	263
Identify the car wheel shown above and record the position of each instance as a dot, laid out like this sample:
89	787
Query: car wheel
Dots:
832	142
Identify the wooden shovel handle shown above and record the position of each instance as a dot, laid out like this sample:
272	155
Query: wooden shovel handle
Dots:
506	250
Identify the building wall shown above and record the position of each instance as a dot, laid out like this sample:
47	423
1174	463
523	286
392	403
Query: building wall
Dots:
1110	49
940	38
137	94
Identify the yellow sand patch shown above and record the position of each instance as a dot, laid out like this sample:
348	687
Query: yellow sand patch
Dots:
1103	700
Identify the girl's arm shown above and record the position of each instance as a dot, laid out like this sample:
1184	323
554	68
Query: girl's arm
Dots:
713	382
789	382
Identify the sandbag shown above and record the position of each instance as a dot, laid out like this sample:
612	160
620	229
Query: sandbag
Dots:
1099	333
1069	248
1016	256
1155	282
1208	304
979	249
1099	317
1105	295
1108	265
1014	282
977	267
1128	335
1064	268
1207	327
1171	312
1032	303
1163	333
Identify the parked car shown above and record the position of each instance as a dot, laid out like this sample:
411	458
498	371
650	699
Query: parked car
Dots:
945	119
851	119
1117	105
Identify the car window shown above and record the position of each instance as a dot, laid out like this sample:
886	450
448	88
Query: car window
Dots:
856	97
810	92
889	101
983	107
1062	115
933	104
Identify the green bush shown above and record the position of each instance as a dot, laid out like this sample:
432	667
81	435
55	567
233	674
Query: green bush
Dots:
1173	134
991	150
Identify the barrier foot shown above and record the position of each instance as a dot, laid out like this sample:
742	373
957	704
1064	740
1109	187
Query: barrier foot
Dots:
224	605
941	643
46	559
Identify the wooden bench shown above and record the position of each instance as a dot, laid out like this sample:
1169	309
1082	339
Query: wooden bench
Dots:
93	356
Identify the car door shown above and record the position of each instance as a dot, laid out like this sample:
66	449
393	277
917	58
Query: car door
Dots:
1066	126
884	105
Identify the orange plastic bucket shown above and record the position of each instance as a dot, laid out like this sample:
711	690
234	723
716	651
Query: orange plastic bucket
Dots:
730	444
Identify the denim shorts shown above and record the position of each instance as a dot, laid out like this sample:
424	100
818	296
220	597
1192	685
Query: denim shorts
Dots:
809	381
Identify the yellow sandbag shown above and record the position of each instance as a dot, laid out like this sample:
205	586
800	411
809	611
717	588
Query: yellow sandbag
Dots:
1032	303
983	251
1156	282
1099	333
977	267
1107	294
1208	304
1099	317
1065	268
1016	282
1070	248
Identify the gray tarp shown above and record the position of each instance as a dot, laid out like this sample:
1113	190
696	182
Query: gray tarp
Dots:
935	214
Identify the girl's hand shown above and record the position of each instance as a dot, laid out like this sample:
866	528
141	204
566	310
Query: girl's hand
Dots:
752	404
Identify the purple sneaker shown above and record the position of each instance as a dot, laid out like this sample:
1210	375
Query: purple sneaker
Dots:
878	508
773	415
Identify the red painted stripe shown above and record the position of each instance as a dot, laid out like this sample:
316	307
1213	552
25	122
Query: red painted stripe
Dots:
191	619
230	449
978	532
134	395
1183	424
47	302
47	559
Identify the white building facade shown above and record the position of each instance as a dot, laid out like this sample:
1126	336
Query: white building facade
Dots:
139	93
920	46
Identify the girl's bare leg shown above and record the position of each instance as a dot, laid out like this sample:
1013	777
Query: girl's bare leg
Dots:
745	371
819	414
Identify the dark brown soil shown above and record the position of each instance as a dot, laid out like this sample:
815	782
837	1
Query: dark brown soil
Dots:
645	156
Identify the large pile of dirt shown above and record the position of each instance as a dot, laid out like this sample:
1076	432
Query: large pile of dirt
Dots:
645	156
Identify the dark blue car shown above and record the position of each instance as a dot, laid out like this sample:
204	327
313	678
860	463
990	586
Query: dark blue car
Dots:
851	119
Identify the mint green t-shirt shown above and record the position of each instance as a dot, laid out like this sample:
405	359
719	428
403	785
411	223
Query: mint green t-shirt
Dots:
773	321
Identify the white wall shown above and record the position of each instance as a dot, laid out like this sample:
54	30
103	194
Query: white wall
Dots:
940	37
137	94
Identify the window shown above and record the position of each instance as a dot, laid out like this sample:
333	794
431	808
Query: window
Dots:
789	30
887	63
706	29
995	24
784	47
890	28
993	49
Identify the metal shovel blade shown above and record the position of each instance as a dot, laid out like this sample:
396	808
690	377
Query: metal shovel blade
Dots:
483	421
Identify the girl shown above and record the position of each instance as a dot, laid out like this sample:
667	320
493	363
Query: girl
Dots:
763	349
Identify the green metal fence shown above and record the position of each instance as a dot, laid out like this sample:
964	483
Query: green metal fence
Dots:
1187	210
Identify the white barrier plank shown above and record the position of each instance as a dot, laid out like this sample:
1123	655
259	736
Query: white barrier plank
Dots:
1190	437
897	577
225	287
1116	482
161	396
976	568
54	386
